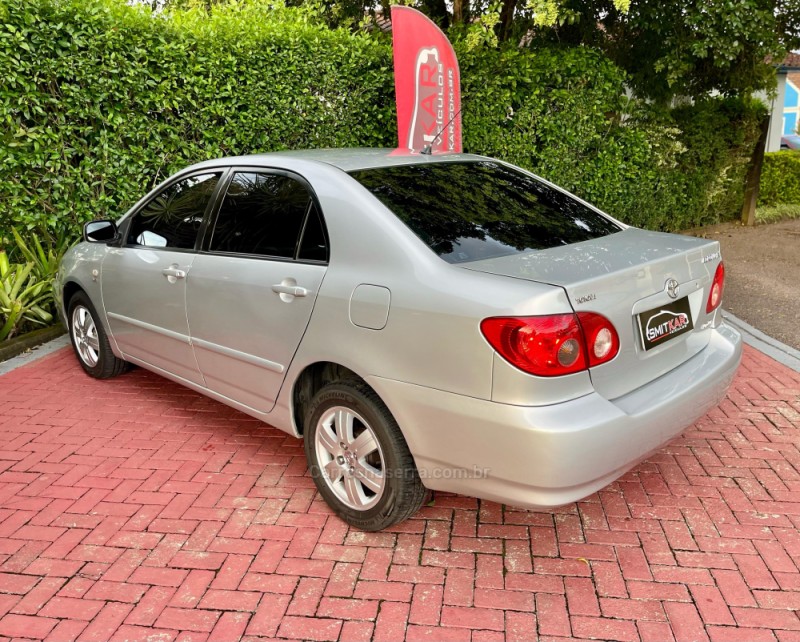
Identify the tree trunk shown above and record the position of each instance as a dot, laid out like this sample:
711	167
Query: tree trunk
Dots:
386	9
436	10
753	181
506	19
460	11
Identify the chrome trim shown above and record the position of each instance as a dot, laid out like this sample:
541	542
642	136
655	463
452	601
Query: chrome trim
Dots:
241	356
152	328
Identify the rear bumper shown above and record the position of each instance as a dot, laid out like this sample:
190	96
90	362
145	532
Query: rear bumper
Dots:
552	455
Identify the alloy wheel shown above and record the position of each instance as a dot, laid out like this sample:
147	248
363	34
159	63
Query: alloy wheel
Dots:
350	458
84	336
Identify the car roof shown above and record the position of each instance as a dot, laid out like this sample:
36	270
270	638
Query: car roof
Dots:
346	159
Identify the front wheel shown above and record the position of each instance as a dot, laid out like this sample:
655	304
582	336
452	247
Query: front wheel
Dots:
89	340
359	459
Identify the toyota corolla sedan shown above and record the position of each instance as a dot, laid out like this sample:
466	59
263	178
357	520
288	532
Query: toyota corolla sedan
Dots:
444	322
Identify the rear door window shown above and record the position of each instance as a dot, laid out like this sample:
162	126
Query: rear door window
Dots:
468	211
263	214
314	244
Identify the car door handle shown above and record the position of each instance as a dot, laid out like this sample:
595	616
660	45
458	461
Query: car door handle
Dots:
174	272
294	290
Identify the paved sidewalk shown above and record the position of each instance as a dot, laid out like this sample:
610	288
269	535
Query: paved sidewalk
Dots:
136	509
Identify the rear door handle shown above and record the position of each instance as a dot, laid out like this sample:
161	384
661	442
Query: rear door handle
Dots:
173	272
293	290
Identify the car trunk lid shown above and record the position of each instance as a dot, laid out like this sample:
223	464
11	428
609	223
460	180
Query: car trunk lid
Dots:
630	278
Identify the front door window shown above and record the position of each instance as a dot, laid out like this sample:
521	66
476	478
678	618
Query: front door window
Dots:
174	217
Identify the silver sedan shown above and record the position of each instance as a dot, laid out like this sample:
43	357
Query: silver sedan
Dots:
445	322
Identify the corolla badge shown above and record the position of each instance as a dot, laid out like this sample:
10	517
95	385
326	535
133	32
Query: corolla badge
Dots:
673	288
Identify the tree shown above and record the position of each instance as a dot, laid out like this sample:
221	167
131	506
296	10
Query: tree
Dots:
690	48
683	47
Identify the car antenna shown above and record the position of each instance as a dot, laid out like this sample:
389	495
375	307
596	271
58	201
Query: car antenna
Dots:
429	147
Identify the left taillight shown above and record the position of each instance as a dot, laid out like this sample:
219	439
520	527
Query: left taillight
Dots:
602	340
553	345
717	288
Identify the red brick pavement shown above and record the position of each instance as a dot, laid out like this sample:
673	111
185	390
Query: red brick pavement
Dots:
136	509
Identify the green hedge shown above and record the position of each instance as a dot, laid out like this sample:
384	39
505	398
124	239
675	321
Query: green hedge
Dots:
556	111
559	112
100	100
780	179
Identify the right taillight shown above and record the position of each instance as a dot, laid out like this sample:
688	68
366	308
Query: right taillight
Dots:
553	345
717	287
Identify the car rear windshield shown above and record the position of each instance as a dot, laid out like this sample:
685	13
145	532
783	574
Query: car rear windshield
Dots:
468	211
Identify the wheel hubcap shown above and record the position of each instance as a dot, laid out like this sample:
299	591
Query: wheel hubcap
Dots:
84	336
350	458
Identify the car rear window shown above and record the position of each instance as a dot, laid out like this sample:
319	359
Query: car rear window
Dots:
468	211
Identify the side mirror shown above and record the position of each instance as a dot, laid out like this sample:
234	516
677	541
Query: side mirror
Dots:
100	232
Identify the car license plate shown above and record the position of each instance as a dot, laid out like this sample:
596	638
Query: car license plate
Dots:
665	322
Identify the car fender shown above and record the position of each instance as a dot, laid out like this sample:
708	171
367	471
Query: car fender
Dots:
82	266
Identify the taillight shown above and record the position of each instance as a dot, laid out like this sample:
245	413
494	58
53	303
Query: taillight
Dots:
553	345
602	340
717	288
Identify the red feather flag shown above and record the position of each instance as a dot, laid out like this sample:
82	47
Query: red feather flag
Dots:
427	84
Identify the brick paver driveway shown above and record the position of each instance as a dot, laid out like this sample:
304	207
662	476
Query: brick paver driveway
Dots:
135	508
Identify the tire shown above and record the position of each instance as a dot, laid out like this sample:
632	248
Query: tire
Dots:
351	483
90	341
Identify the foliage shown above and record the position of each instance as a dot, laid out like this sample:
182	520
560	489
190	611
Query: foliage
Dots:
684	47
720	136
776	213
26	287
549	13
670	48
780	179
44	258
102	100
564	113
24	298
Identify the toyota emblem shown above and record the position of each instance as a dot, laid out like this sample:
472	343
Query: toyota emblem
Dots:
673	287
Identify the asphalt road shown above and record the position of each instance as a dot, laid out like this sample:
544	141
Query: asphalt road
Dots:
762	275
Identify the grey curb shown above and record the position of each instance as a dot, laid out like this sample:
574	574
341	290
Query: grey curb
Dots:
782	353
37	353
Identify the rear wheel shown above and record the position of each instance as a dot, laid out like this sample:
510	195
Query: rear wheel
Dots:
89	340
359	459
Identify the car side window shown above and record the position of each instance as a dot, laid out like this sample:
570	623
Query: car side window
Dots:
173	218
262	214
314	244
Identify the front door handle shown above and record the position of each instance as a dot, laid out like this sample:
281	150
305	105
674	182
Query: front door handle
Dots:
293	290
173	273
